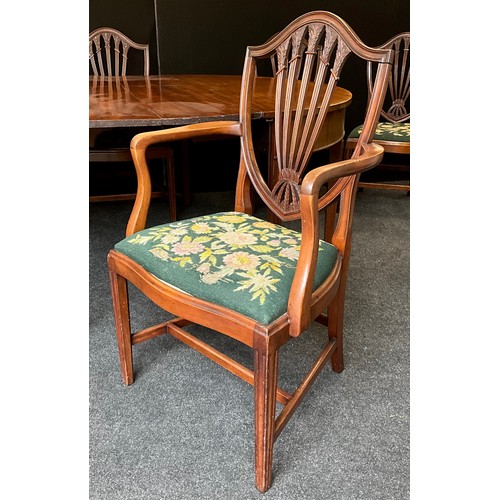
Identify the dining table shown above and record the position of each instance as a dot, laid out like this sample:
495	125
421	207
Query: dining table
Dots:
164	101
173	100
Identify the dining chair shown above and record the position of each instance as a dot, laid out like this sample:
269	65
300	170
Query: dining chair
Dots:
393	131
108	56
258	282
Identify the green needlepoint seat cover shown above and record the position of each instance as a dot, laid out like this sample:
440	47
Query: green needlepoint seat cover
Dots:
386	131
232	259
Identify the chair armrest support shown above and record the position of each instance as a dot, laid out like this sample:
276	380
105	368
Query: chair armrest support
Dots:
142	141
299	302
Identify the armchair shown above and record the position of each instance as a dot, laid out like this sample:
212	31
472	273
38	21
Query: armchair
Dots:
255	281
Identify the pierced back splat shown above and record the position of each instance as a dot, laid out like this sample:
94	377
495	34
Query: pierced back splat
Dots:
397	103
109	51
309	62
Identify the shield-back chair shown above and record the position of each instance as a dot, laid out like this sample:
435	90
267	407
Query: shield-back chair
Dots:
108	57
255	281
393	130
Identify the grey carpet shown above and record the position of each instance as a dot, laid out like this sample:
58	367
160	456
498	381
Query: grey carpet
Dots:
184	429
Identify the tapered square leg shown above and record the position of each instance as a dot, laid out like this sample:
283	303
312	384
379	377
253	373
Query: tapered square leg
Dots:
265	370
119	293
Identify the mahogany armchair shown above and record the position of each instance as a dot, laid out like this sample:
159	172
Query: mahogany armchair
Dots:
108	57
255	281
393	131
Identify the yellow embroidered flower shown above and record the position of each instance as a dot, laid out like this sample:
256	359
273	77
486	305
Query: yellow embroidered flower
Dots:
260	284
234	219
170	238
397	129
201	228
141	239
271	263
241	260
179	231
264	225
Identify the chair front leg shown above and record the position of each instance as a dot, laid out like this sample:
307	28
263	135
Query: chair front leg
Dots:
265	384
119	291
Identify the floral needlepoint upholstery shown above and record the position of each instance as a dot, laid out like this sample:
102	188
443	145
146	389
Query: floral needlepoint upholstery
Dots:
386	131
232	259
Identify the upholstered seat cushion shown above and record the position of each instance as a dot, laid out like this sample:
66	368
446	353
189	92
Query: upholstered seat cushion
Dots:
232	259
386	131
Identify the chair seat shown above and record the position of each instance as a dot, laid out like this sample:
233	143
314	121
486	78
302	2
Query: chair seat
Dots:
231	259
387	131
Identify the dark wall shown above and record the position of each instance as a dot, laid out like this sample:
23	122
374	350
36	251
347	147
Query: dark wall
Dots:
135	18
204	36
210	36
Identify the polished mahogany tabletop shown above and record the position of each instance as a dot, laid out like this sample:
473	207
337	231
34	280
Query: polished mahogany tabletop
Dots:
172	100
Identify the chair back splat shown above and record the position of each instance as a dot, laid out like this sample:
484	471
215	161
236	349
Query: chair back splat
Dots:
254	280
396	107
108	52
393	129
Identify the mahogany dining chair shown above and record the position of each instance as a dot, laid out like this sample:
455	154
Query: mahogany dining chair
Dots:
108	57
393	131
258	282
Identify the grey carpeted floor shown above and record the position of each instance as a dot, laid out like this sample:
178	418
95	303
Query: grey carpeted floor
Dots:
184	429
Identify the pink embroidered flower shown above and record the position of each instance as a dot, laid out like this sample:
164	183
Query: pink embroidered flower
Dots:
212	278
289	253
203	268
241	260
238	239
187	247
274	243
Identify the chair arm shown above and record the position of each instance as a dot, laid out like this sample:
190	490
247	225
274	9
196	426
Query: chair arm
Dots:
146	139
370	156
300	299
142	141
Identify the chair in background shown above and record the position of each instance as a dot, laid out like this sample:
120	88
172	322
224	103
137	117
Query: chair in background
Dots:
108	56
260	283
393	133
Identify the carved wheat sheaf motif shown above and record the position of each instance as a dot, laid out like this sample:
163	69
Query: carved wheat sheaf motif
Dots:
398	90
309	65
